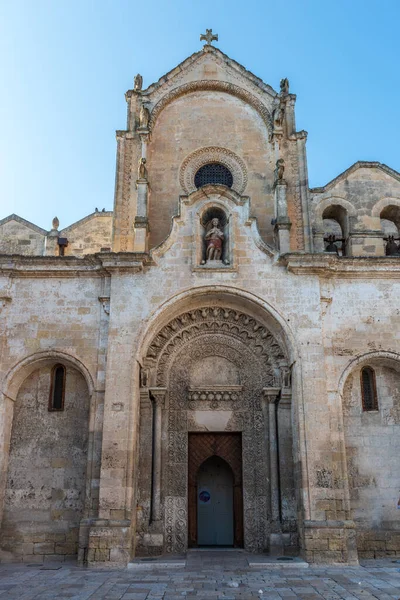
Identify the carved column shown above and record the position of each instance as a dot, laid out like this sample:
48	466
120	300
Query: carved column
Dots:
285	452
270	396
158	398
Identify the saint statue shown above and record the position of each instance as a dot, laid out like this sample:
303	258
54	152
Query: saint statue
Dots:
144	117
137	83
278	114
284	86
214	238
142	171
279	169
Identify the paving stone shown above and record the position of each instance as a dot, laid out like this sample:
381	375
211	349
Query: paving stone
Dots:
222	579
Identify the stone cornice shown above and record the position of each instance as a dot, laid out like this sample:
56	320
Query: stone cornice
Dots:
94	265
358	165
349	267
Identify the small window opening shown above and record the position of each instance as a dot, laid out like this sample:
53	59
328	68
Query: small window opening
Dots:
213	173
368	389
57	390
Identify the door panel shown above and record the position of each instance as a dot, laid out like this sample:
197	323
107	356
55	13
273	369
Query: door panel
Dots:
215	503
229	511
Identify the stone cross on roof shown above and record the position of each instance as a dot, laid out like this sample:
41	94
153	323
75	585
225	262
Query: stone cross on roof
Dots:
208	37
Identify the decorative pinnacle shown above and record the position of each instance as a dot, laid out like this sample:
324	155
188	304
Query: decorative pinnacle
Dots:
208	37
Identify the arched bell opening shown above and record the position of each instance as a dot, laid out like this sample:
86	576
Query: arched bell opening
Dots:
336	229
390	224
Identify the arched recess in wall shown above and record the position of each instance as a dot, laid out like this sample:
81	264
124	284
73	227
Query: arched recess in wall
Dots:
46	490
211	85
370	391
388	211
192	128
209	356
332	218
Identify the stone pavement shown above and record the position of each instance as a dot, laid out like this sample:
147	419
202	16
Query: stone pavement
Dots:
220	575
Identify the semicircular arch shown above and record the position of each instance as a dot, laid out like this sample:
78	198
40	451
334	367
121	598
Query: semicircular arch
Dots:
391	359
333	201
21	370
219	296
212	85
384	203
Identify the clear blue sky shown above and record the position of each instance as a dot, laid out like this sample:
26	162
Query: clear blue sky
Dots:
65	65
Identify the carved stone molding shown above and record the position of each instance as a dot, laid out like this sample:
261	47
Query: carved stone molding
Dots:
216	392
212	154
212	85
217	321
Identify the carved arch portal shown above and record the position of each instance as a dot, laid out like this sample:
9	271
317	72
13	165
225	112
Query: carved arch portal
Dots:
184	360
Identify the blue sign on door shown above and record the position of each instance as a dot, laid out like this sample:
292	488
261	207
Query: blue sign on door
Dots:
204	496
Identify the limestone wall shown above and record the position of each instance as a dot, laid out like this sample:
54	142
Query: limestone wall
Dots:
17	236
89	235
201	120
363	192
45	490
372	450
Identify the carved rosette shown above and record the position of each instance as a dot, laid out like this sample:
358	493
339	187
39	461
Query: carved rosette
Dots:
212	154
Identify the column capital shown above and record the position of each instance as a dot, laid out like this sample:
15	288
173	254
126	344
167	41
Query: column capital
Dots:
270	394
158	395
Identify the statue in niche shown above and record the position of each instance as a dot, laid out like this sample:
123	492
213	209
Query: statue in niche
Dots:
137	83
144	117
279	169
214	239
142	171
284	86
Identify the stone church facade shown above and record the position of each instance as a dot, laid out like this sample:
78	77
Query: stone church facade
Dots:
216	361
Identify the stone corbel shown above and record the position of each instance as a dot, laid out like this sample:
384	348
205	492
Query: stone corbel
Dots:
105	302
4	301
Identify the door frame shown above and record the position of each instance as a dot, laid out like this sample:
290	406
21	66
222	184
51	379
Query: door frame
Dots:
227	446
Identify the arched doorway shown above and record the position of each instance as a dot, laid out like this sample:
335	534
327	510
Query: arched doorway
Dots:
215	525
215	370
215	468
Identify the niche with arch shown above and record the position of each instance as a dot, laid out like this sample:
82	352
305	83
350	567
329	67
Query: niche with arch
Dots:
372	439
336	229
46	479
215	239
